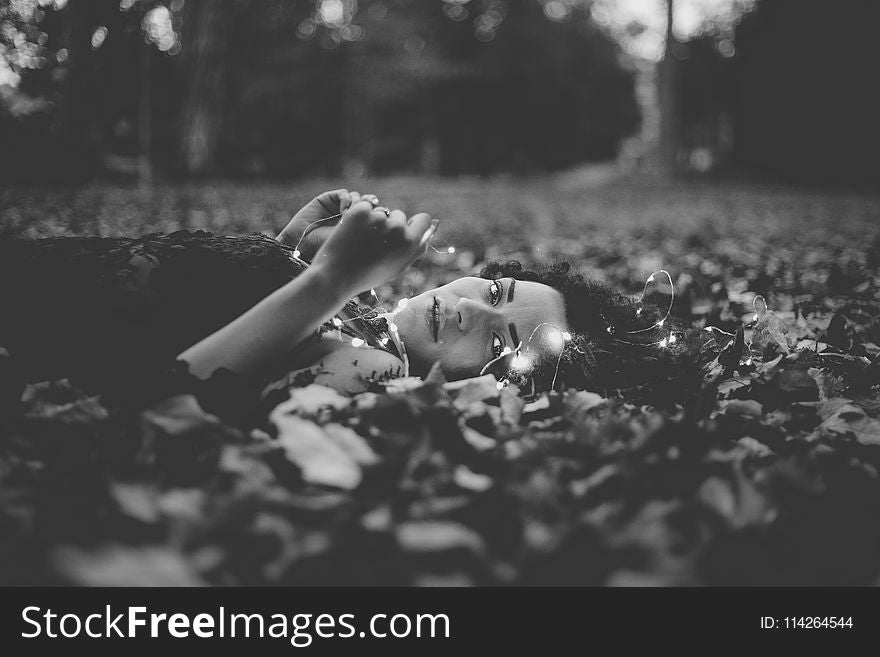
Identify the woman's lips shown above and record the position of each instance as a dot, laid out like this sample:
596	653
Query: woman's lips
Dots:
435	317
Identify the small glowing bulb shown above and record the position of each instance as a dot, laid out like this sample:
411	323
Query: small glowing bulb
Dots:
392	327
663	343
610	330
650	278
337	322
672	338
356	342
402	303
748	361
506	350
384	341
755	318
660	323
373	292
297	253
708	328
499	385
519	362
451	249
638	312
566	336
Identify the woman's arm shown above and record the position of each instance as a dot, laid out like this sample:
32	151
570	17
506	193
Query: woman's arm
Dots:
367	249
252	343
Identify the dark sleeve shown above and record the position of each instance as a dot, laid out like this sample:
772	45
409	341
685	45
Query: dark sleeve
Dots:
224	393
105	312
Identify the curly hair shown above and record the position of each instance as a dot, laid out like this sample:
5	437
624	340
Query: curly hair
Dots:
601	355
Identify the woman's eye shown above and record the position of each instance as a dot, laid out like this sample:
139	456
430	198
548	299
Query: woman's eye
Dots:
497	346
495	292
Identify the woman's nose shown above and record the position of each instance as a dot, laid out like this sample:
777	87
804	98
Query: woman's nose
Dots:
470	314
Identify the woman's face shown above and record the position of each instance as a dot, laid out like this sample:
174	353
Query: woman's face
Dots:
470	321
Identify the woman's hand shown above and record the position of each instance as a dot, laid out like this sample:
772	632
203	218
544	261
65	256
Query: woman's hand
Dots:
312	225
371	246
368	247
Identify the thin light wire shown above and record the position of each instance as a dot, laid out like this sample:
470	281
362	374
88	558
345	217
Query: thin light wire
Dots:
556	371
516	352
503	354
715	328
448	250
296	251
668	310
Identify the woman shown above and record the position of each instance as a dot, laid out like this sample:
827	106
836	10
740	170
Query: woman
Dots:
113	314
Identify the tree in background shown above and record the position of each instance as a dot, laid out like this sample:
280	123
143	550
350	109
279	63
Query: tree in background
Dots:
327	86
95	65
448	87
806	104
205	53
667	148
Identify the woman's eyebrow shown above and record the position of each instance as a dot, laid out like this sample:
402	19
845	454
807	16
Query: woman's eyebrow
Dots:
510	290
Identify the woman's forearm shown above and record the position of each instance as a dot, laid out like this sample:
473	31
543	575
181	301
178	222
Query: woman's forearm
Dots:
254	342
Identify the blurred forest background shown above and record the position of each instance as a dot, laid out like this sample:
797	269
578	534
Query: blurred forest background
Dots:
176	89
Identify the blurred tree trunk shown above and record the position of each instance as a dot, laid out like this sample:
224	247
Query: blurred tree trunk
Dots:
668	83
206	26
429	146
80	97
145	117
356	113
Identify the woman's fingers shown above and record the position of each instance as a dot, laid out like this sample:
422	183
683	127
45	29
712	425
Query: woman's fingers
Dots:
397	220
360	209
344	200
421	228
373	245
334	201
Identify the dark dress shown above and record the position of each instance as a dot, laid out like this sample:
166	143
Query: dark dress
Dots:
111	314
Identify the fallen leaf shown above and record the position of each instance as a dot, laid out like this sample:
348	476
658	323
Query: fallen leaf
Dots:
582	487
352	443
115	565
584	401
82	411
179	415
321	460
467	478
734	383
842	417
472	390
741	407
477	440
436	536
136	500
186	504
403	384
311	400
769	333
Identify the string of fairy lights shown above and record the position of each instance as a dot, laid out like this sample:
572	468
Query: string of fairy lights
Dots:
557	338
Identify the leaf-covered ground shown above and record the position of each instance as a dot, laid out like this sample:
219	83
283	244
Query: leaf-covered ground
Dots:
769	475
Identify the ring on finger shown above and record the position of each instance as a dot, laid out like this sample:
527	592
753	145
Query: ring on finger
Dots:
383	209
